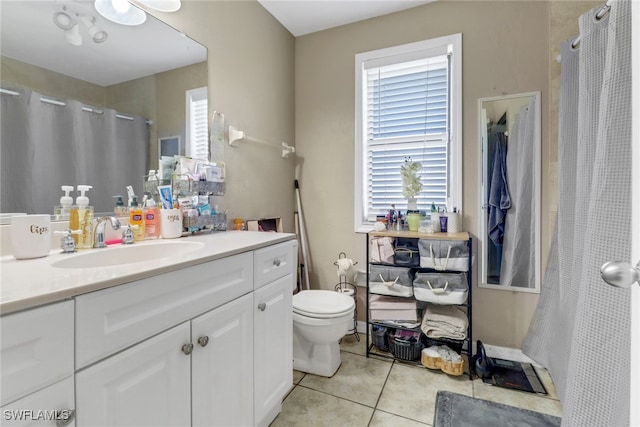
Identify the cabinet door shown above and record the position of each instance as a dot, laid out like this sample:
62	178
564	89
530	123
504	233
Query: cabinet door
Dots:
49	407
145	385
222	365
273	339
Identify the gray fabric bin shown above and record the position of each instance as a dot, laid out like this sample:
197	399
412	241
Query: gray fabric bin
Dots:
388	280
441	288
452	255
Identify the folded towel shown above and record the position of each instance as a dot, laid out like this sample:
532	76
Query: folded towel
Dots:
381	250
444	321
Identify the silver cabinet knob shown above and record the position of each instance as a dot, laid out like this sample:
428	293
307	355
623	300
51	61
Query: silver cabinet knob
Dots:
620	274
65	417
262	306
277	262
187	349
203	341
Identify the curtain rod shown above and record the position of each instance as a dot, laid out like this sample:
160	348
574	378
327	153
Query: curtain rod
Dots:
237	135
601	13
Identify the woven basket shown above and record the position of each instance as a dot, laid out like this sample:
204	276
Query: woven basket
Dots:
451	368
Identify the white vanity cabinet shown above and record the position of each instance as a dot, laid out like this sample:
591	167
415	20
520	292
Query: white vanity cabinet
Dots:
209	345
36	366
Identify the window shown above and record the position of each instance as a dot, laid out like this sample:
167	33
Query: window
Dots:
408	105
197	141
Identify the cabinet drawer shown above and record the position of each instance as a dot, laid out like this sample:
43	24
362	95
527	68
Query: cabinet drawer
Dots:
113	319
274	262
41	408
36	349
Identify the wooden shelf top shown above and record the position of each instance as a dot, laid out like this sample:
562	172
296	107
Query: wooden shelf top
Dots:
463	235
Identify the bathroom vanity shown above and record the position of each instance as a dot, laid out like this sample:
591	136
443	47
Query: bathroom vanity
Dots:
199	338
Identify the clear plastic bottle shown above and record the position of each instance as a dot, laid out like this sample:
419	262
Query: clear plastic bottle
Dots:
120	210
151	220
63	210
81	218
136	220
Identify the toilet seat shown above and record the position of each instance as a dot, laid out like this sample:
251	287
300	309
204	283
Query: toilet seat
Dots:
321	304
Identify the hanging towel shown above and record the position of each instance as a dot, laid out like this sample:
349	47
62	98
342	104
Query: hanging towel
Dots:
499	199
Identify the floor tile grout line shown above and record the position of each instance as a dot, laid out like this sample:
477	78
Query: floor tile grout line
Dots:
375	407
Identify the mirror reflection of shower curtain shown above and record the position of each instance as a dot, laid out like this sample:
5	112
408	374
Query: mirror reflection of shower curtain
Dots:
45	146
518	256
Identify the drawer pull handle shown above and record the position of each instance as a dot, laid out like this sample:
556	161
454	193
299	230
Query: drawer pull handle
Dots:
262	306
203	341
65	417
187	349
277	262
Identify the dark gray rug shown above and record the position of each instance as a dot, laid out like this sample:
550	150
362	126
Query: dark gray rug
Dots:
457	410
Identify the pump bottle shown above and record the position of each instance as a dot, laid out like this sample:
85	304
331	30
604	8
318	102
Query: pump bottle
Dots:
81	218
63	210
136	218
151	220
120	210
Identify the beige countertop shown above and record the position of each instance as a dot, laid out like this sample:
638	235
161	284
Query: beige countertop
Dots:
28	283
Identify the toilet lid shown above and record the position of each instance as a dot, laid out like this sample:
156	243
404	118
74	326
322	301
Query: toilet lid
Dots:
322	304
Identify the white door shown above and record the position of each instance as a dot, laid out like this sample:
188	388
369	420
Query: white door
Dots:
273	338
145	385
222	365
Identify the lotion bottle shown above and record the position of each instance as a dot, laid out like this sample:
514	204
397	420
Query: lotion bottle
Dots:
151	220
136	218
81	218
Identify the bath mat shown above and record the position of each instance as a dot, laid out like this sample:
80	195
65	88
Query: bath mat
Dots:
515	376
457	410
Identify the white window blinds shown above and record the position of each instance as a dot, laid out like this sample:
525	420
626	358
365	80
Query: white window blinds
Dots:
197	145
407	115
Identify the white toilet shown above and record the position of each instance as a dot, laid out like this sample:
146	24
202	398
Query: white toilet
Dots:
320	319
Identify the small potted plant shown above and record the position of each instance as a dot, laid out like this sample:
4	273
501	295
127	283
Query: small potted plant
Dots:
411	184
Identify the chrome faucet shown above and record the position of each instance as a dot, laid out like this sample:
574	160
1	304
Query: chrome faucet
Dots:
98	241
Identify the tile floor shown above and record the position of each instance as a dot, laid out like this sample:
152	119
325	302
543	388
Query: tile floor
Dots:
377	392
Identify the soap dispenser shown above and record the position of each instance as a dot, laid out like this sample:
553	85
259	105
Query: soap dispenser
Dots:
62	210
120	210
136	217
151	219
81	218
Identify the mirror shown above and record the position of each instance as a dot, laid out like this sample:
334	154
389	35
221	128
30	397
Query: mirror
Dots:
137	71
509	130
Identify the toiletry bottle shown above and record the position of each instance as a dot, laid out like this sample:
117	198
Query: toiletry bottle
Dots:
136	217
151	220
81	218
120	210
63	210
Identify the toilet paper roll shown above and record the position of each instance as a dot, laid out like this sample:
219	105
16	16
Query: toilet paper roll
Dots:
348	292
453	222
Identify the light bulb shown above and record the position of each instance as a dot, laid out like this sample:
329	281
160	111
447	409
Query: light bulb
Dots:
121	6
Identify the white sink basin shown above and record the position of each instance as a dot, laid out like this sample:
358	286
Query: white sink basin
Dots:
126	254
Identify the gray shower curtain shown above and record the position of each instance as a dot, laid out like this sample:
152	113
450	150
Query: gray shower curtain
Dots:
44	146
518	247
581	327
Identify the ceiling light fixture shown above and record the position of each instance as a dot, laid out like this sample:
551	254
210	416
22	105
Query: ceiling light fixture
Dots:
73	36
120	12
63	20
162	5
70	21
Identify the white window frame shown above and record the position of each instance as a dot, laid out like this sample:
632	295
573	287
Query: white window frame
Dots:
451	44
194	95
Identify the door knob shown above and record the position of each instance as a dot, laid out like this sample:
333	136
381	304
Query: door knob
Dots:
620	274
203	341
262	306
